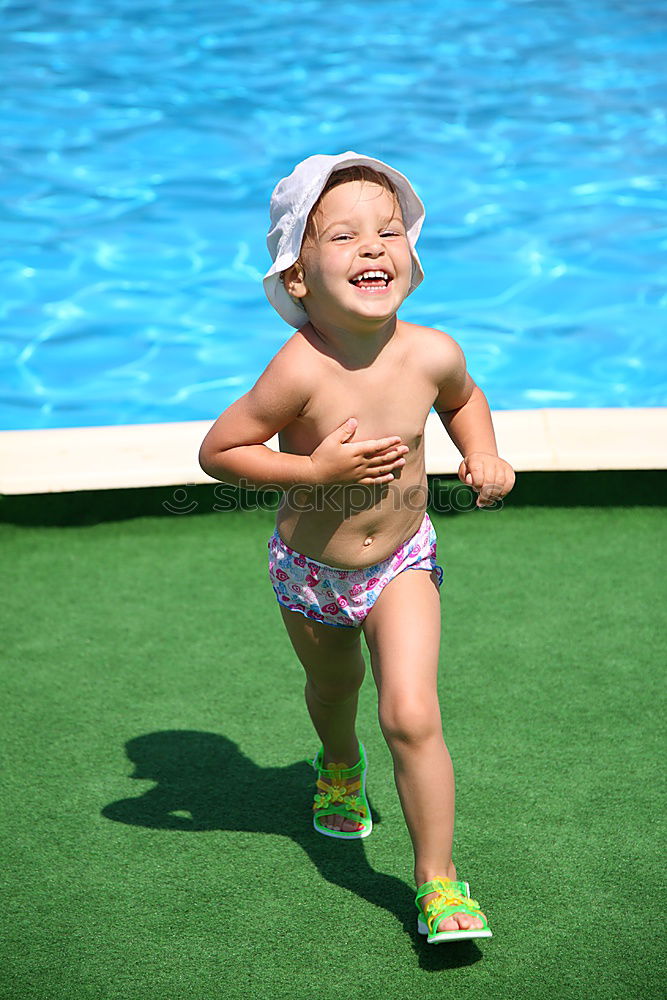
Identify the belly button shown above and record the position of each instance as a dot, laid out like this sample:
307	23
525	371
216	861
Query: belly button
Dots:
367	541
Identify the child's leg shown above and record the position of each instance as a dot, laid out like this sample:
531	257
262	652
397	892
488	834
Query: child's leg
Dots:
402	630
335	668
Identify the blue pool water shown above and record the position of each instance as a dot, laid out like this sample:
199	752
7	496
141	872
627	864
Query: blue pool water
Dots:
140	143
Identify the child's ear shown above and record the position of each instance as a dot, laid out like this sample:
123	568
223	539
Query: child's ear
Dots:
294	281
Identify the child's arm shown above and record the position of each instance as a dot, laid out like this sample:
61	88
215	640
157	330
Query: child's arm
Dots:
465	415
234	450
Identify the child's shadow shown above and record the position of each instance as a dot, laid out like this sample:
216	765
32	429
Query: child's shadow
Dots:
204	782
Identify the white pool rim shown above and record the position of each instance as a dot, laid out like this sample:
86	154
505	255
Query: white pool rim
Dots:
139	455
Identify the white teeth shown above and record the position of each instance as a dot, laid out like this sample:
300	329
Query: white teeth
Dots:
372	274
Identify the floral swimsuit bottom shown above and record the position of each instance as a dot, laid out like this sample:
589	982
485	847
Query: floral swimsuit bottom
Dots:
344	597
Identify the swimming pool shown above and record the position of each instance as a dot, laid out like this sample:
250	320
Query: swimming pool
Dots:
141	143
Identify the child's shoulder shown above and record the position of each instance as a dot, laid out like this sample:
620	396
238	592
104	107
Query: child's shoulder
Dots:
298	368
428	335
439	351
290	360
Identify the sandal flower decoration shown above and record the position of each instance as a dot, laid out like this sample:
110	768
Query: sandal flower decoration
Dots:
337	795
354	803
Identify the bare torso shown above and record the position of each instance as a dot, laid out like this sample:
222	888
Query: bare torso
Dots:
352	526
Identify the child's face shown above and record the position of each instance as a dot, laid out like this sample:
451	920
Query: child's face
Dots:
358	228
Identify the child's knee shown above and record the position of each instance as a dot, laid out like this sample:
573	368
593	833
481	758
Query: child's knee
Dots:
333	692
409	722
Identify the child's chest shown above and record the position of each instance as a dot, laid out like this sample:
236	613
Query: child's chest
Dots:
386	401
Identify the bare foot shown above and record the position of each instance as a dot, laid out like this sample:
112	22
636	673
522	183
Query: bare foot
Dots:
335	821
455	921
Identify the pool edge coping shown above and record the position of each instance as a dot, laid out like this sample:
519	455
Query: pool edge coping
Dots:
72	459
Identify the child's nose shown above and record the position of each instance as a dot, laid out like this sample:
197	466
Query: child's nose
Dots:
372	248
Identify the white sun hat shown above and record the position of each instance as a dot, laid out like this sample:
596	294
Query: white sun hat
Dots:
292	199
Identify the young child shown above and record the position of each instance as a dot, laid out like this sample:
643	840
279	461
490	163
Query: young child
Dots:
348	395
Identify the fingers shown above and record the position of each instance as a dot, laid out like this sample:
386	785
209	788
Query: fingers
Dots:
346	429
374	447
489	494
376	480
386	468
488	475
384	472
372	462
473	471
391	457
381	463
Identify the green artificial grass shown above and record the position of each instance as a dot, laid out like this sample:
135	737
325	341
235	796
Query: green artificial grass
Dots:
157	829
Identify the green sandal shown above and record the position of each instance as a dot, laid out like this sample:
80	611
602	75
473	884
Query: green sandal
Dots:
341	800
453	897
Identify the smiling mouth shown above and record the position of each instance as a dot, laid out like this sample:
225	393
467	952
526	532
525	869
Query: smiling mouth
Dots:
372	281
